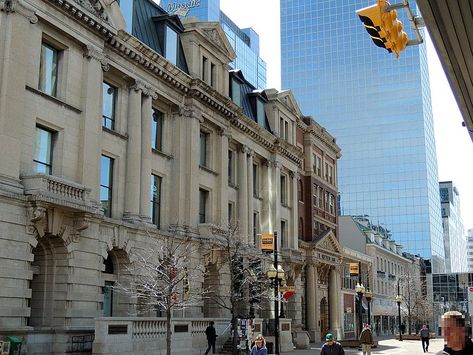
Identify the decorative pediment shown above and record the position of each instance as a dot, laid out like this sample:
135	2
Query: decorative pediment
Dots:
327	242
214	34
287	97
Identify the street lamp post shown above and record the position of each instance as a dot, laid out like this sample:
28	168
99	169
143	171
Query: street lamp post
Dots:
369	297
398	301
359	289
276	274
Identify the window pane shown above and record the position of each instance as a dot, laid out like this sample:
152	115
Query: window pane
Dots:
236	94
42	154
106	178
109	94
203	195
260	112
171	45
48	70
203	148
157	130
156	200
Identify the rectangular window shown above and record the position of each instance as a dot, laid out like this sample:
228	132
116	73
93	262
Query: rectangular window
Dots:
321	197
255	181
230	212
155	212
204	69
171	45
283	189
236	92
109	103
283	234
213	75
255	226
106	179
326	171
157	130
48	69
286	131
203	200
43	154
204	138
330	174
281	127
260	115
231	173
318	165
331	204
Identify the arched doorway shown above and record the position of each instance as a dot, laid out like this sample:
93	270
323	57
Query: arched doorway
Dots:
116	302
49	283
324	319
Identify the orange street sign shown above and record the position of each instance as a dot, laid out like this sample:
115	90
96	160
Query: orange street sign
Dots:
354	269
267	242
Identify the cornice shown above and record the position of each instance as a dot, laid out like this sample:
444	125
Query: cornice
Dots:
90	15
212	98
149	60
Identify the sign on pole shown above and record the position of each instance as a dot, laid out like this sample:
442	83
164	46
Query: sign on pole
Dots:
354	269
267	242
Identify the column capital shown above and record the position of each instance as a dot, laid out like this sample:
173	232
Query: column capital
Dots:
244	149
92	52
225	131
20	7
145	89
251	153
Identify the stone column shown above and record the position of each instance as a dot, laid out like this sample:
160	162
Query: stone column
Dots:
243	191
311	301
145	172
90	125
250	195
16	49
276	204
133	152
266	221
334	302
223	177
294	227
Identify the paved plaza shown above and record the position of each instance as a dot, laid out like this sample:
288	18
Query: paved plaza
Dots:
387	346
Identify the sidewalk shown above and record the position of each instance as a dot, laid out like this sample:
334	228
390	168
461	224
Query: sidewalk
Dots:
387	346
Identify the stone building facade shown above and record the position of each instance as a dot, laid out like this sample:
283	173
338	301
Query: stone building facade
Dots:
114	141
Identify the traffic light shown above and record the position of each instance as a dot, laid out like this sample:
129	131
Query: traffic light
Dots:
383	26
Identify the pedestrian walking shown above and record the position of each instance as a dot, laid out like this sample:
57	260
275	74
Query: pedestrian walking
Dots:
211	334
260	346
366	340
424	336
403	328
456	340
331	347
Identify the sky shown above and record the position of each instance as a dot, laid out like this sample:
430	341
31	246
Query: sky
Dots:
454	146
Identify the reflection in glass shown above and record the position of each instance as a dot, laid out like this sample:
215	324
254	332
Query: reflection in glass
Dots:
106	178
43	151
109	98
48	70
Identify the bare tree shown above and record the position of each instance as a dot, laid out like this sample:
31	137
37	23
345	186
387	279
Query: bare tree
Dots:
161	278
417	308
241	266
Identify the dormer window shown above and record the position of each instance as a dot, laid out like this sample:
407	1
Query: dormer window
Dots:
260	115
171	46
236	92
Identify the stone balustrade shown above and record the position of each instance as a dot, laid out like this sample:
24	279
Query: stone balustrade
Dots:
57	190
140	335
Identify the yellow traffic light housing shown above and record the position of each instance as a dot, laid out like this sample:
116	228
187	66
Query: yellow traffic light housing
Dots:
383	26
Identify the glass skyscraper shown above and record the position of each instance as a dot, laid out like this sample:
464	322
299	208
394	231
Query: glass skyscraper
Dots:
378	108
245	42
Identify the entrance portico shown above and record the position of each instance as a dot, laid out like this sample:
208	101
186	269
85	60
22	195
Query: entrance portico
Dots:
323	296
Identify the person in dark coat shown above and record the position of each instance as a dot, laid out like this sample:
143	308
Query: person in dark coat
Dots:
455	337
331	347
366	340
424	336
211	334
403	328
